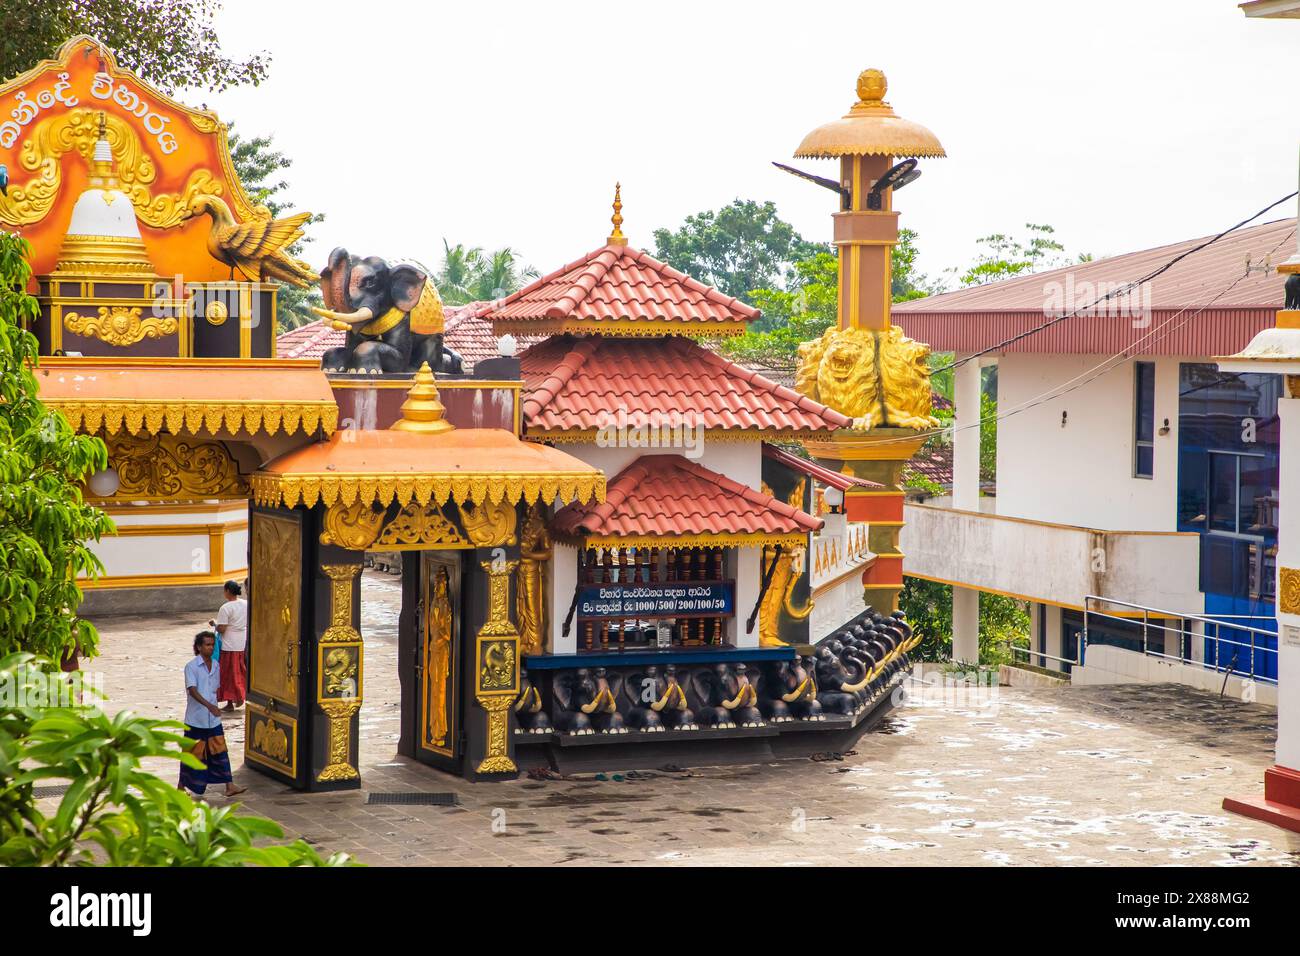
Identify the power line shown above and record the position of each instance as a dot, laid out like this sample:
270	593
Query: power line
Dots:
1114	292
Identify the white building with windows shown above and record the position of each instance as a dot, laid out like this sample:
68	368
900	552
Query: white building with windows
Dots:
1128	466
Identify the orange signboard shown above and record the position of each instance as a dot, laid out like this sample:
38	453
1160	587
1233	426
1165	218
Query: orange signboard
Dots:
164	155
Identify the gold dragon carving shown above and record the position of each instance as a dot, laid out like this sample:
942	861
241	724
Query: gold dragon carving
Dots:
489	524
498	661
877	378
119	325
340	710
78	130
353	526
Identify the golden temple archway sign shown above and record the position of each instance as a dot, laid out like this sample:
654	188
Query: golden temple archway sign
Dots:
164	154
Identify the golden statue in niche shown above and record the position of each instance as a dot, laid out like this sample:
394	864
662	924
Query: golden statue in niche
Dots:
437	660
530	602
877	378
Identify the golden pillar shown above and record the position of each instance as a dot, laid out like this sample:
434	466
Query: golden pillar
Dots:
866	368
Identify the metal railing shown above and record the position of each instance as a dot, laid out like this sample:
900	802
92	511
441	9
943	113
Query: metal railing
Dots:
1253	641
1030	652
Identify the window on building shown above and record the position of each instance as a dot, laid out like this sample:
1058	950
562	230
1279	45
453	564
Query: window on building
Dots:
1144	419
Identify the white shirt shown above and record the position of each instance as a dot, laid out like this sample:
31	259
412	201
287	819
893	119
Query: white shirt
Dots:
208	682
234	614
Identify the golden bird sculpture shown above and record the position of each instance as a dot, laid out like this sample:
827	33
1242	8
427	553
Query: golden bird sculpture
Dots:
256	247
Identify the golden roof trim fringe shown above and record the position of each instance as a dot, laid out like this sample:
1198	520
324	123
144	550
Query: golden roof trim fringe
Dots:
272	489
135	416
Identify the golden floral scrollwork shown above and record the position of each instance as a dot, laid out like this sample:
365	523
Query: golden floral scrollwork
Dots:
340	628
497	759
168	467
498	665
340	765
272	740
119	325
353	526
422	524
1288	590
489	523
276	595
78	130
877	378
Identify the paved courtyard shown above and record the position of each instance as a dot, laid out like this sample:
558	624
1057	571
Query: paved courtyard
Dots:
1125	775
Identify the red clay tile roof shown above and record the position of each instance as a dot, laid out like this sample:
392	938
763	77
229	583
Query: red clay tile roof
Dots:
826	476
578	383
667	495
466	332
933	462
1184	316
619	283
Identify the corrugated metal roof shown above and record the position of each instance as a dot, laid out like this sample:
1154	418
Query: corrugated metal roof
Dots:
1162	318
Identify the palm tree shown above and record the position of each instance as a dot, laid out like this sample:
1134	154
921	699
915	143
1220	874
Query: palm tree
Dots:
500	274
459	272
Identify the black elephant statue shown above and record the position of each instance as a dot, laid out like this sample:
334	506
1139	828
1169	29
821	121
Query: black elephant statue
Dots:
1292	290
392	313
641	691
832	680
587	702
663	699
529	713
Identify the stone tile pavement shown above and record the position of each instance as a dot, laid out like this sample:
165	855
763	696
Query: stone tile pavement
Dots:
1119	775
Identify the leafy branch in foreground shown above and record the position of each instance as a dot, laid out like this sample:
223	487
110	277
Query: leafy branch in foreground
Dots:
114	813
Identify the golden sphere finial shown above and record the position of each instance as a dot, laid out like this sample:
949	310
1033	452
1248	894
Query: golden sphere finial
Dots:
872	86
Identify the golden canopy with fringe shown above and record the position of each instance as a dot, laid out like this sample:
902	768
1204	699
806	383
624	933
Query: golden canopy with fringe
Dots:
188	395
461	465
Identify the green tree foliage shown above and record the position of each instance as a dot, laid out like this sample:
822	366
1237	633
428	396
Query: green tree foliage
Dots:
468	274
927	605
170	43
45	526
259	167
737	249
114	812
1004	257
810	306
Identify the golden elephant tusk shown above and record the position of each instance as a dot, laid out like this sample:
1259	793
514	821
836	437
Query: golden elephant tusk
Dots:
343	320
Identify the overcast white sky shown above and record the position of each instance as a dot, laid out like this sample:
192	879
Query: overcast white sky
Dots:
1123	123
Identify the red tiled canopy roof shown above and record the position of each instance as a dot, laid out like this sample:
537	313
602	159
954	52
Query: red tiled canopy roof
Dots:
574	384
667	496
619	284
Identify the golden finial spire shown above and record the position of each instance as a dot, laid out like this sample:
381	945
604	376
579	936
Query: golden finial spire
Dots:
422	411
616	238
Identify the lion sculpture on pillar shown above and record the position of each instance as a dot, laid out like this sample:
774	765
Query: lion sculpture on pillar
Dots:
879	378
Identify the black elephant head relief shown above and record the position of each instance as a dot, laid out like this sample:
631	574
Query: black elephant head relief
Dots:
392	314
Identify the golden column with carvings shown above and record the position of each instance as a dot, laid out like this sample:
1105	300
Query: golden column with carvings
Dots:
866	368
339	676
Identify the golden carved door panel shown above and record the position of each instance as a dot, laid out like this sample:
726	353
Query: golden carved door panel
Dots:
272	741
437	660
